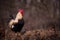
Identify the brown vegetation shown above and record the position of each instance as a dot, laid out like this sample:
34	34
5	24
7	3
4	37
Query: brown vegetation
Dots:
41	35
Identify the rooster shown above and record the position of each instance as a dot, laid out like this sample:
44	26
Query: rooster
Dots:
17	23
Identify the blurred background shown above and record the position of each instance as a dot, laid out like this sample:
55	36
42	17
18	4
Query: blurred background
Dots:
38	14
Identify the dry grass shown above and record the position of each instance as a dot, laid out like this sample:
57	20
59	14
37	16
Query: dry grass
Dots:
42	34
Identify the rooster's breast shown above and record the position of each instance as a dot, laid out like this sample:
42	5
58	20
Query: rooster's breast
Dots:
18	26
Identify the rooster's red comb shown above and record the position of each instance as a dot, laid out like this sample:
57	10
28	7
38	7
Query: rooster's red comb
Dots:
21	11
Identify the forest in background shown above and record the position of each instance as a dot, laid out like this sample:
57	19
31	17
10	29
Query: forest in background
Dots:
38	14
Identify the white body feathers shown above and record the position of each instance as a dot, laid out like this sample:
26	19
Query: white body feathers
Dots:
18	17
